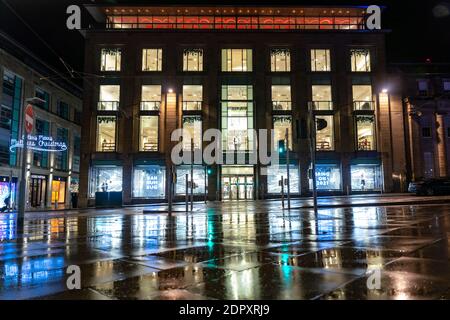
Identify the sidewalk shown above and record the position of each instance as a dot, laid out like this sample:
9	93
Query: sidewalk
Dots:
360	200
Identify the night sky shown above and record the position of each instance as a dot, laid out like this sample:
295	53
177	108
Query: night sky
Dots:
418	31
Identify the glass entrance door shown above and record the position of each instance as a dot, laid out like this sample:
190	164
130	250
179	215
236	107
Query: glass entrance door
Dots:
38	190
237	188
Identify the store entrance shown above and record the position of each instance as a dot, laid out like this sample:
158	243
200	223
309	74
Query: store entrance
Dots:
38	191
58	191
237	187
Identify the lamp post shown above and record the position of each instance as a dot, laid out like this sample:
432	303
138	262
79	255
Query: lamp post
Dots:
192	174
312	133
287	171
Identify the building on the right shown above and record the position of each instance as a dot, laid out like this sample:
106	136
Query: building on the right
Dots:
426	97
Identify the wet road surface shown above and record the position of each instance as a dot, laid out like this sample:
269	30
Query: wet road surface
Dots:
243	250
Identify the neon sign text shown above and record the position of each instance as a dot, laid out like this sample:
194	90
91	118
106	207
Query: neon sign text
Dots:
39	143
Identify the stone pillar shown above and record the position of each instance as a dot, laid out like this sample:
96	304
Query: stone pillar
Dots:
441	152
414	138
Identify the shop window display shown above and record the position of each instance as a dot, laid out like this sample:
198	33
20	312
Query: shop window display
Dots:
149	182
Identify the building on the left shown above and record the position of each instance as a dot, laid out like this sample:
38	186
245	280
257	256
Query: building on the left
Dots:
52	172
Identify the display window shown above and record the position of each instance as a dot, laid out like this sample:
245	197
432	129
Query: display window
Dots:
366	177
58	190
7	193
149	181
328	177
105	179
274	174
199	179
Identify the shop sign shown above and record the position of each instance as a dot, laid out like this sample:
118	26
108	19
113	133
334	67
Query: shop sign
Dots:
36	176
323	177
152	183
39	143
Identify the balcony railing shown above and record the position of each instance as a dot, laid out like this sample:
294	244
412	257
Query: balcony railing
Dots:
281	105
108	105
108	146
192	105
323	145
150	147
365	145
321	105
150	105
363	105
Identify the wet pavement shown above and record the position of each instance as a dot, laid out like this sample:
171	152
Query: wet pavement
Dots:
235	250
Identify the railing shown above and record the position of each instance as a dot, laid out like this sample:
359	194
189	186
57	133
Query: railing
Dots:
108	147
235	22
108	105
150	105
281	105
364	145
423	93
323	146
363	105
192	105
321	105
150	146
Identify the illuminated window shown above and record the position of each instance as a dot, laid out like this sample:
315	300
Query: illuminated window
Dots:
110	60
321	97
192	97
149	181
109	98
150	97
152	60
320	60
360	60
105	179
362	97
63	110
274	174
40	158
106	133
280	60
365	132
280	124
324	133
237	117
199	179
60	158
446	85
193	60
192	129
281	97
366	177
328	177
148	135
422	86
44	96
237	60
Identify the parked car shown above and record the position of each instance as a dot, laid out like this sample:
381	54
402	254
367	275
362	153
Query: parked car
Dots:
430	187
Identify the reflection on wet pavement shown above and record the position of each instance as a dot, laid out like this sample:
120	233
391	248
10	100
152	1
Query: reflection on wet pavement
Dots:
244	250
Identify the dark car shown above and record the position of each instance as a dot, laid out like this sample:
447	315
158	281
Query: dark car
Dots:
430	187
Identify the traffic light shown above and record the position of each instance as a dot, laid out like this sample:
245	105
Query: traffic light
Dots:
209	171
321	124
281	146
